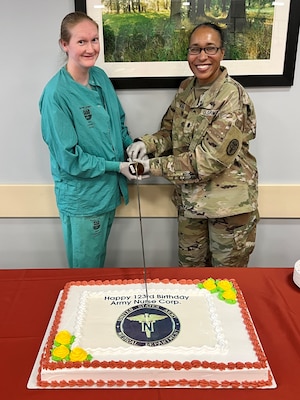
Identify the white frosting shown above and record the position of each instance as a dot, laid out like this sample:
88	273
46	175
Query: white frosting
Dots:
210	330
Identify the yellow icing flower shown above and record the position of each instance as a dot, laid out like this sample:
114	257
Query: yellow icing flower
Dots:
223	287
61	349
209	284
224	284
60	352
63	337
229	295
78	354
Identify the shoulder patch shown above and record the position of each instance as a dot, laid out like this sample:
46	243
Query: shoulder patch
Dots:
232	147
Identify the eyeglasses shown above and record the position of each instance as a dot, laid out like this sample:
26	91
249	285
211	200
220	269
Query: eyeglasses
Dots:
210	50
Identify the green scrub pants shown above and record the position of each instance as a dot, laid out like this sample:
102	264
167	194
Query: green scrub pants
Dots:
86	239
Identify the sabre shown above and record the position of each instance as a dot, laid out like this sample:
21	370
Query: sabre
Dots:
137	169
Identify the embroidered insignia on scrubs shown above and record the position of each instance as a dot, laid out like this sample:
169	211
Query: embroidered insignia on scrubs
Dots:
87	113
232	147
96	225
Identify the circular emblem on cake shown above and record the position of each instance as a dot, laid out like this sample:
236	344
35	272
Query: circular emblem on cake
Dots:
147	325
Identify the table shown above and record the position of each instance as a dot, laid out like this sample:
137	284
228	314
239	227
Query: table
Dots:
27	298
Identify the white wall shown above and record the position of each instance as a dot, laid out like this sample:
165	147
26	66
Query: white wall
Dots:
30	55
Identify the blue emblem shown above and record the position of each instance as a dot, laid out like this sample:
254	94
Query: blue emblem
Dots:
147	325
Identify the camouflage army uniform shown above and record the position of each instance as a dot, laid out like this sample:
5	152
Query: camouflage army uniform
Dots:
203	148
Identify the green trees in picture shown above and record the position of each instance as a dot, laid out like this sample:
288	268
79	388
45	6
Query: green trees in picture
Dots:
158	30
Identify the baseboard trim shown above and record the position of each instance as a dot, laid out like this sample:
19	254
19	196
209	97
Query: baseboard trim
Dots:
38	201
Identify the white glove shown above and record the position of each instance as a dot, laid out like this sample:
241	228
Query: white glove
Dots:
137	150
128	170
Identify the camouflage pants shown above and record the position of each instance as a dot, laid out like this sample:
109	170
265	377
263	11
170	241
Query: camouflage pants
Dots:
217	242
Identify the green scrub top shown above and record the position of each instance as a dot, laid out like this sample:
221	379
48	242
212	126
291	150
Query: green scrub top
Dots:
87	139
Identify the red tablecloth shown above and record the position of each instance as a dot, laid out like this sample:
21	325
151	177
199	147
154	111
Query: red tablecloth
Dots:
27	298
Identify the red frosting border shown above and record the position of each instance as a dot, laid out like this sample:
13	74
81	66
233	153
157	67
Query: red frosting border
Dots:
177	365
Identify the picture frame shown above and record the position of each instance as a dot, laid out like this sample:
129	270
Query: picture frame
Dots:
277	71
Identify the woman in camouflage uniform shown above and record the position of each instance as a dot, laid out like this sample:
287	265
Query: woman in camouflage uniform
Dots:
203	148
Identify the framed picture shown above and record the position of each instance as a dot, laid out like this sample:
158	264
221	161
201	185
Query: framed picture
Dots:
276	46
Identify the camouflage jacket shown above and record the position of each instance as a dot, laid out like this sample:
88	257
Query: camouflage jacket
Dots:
203	148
